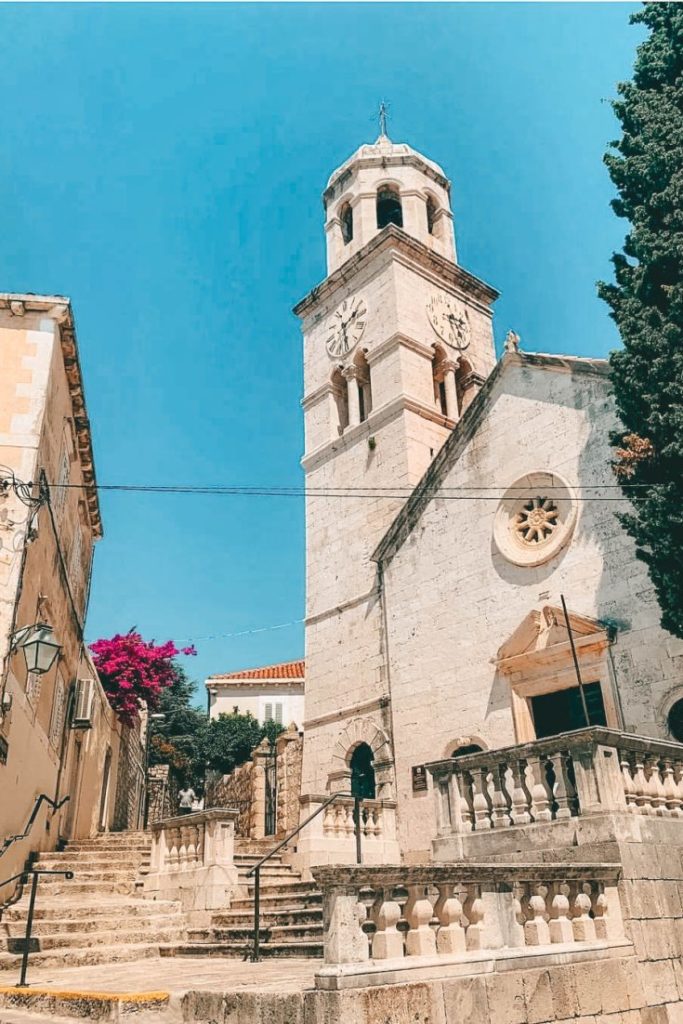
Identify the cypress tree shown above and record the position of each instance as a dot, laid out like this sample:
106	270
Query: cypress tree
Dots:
646	302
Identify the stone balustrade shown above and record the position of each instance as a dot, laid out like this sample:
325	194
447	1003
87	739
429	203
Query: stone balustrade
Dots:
339	821
551	780
192	859
330	838
424	916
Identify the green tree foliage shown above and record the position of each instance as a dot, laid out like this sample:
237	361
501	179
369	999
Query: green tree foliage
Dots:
190	744
646	302
230	739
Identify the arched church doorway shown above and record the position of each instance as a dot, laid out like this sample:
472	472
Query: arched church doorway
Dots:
363	772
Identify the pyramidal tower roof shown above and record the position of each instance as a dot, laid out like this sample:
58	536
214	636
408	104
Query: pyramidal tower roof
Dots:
384	152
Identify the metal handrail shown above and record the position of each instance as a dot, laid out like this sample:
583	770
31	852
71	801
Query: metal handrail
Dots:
54	804
26	941
254	953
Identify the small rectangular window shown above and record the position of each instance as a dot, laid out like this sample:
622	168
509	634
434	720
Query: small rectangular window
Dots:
278	714
58	710
268	717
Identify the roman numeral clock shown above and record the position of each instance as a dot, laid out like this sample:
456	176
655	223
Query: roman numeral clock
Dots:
346	327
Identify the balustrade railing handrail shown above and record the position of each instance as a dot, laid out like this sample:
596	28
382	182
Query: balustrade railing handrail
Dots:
9	840
295	831
564	741
342	876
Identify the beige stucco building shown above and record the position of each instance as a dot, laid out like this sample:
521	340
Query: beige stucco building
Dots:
58	735
453	500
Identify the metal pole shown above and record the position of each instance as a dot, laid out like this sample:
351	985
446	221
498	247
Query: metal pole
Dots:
576	660
29	927
356	819
256	956
145	816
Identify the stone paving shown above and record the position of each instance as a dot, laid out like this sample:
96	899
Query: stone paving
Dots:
175	975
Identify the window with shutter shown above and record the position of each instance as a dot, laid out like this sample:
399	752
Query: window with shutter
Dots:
278	714
269	713
58	709
59	492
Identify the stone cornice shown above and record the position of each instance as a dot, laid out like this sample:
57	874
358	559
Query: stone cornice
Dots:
58	308
395	240
216	683
463	432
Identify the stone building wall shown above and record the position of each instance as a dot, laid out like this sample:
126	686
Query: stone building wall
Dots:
163	793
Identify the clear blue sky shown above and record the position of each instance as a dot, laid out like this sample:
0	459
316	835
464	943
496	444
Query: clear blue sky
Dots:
162	165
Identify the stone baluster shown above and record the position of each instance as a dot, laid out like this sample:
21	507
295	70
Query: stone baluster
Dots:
536	931
182	849
564	790
521	797
516	927
641	787
466	800
678	778
655	787
582	924
671	794
629	787
191	845
474	912
481	801
450	936
328	820
387	941
560	926
541	793
420	939
201	843
500	799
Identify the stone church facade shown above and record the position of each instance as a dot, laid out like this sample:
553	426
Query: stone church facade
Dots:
453	501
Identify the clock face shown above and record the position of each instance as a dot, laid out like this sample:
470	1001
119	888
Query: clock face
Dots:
346	327
450	320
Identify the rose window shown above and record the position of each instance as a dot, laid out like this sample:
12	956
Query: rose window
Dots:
537	520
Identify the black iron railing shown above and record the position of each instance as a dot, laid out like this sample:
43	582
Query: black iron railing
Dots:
43	798
254	951
26	945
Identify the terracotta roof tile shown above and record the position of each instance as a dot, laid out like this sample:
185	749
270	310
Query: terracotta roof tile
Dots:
284	670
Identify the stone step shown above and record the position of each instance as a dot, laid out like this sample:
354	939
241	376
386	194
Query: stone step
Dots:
60	909
80	925
296	950
282	934
81	957
279	900
100	844
269	918
284	886
86	875
62	887
95	857
36	1003
65	941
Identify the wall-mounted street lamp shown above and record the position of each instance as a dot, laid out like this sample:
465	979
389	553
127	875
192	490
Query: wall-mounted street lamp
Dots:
39	645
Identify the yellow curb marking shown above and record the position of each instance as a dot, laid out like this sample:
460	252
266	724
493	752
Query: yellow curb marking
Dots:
111	997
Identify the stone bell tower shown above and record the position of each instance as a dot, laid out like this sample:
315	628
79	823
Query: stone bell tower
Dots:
397	340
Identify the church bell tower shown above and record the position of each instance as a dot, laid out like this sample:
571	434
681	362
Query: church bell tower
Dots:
397	340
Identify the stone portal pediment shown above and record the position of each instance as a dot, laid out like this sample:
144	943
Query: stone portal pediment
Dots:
543	634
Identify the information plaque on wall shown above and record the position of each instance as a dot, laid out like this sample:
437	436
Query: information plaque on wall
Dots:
419	777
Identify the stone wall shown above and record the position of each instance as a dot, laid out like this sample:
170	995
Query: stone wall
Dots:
129	782
234	790
163	793
289	755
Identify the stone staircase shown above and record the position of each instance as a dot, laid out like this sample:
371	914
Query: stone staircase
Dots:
98	917
291	917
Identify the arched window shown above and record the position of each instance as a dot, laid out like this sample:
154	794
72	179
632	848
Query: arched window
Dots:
363	772
346	218
675	720
341	397
469	748
389	210
364	386
431	214
439	381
